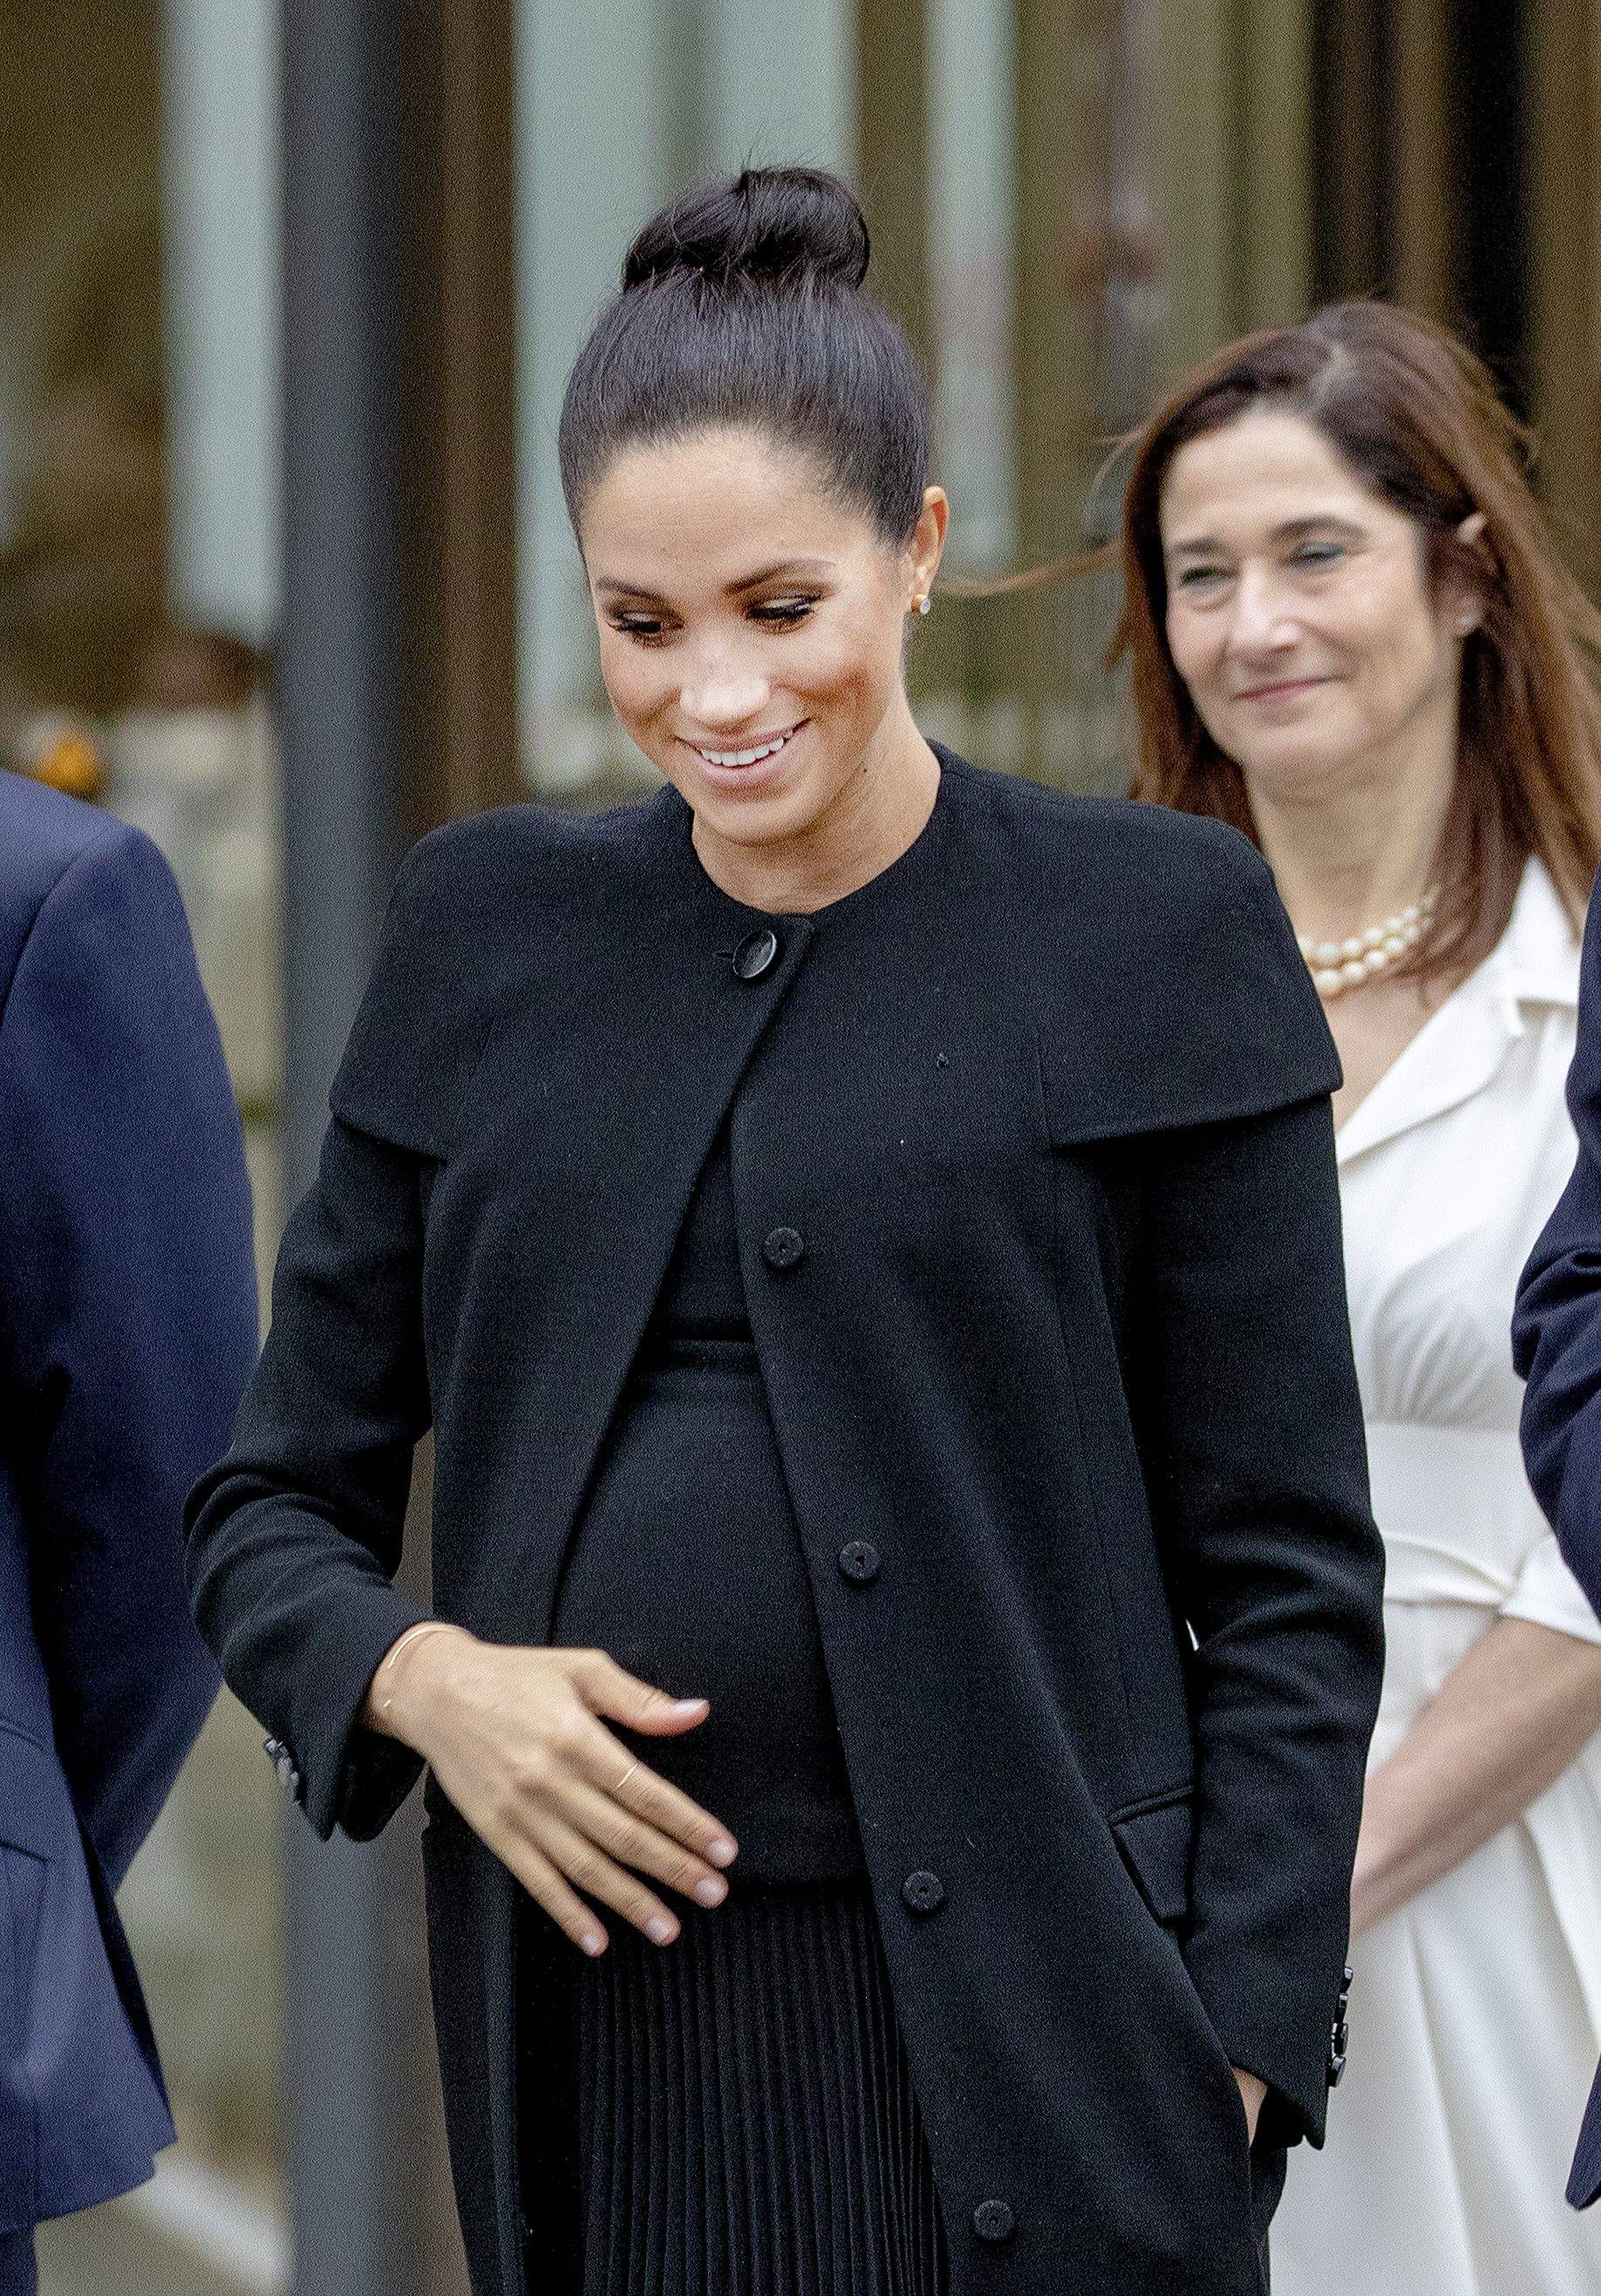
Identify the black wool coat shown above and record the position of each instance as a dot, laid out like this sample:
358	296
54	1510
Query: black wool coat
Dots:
1058	1327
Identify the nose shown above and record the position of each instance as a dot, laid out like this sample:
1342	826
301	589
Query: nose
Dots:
722	692
1259	622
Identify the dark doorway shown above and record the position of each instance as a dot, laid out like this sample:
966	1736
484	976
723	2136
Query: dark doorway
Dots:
1422	161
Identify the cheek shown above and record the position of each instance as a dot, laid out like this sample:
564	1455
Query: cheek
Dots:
846	665
632	677
1196	648
1399	655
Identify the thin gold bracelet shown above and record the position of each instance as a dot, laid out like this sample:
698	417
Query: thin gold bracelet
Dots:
386	1664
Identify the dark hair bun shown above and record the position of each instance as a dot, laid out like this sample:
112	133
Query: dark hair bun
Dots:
786	225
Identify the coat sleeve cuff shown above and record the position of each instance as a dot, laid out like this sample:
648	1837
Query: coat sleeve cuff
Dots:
1298	2057
341	1773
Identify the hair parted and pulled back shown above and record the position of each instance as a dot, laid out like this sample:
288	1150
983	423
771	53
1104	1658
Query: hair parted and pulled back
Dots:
1418	418
742	307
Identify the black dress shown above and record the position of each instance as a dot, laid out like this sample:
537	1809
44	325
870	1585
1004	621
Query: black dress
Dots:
733	2113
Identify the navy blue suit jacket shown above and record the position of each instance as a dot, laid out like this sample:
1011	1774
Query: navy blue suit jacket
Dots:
1556	1344
127	1328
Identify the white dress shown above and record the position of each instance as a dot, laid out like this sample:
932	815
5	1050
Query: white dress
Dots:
1475	2016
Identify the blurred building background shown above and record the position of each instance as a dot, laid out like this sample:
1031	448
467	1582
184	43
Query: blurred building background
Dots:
288	291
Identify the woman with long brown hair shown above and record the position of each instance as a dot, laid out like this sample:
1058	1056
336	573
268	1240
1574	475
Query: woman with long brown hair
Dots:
1351	637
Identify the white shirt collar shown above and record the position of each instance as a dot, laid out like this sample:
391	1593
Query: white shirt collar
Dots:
1539	948
1459	1049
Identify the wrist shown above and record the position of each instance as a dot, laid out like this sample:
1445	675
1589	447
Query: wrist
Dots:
1254	2095
1378	1881
401	1694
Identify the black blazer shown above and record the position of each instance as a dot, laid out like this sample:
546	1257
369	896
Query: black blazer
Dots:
1064	1339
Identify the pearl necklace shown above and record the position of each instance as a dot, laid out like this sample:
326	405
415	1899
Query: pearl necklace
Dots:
1337	965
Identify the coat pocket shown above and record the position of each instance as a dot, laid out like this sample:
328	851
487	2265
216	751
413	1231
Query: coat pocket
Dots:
1155	1839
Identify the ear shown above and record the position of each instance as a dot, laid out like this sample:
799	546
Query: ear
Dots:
927	545
1463	598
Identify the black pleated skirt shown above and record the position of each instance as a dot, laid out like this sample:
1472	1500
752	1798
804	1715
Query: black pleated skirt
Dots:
738	2116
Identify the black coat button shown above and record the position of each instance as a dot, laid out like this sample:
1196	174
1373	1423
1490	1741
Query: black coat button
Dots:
756	954
783	1247
859	1563
994	2220
925	1893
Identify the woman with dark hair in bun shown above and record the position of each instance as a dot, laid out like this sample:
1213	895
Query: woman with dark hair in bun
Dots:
864	1233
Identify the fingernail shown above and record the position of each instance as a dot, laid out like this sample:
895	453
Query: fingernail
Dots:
689	1705
722	1853
661	1929
593	1941
711	1893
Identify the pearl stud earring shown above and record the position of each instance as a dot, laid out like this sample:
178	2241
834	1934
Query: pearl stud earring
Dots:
921	605
1466	624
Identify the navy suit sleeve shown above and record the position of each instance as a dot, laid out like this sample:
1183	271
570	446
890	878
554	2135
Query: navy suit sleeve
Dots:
127	1313
1556	1331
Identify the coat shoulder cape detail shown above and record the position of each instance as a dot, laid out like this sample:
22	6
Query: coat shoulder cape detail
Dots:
1151	946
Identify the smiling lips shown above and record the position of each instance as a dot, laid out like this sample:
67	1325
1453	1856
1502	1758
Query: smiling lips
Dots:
755	754
1280	689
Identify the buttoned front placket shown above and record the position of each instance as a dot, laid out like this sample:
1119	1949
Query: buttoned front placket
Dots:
865	1587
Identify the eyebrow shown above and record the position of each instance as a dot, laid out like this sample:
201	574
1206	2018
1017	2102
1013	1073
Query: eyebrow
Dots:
1290	531
806	569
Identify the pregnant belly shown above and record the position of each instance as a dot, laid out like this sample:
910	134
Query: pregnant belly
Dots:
687	1568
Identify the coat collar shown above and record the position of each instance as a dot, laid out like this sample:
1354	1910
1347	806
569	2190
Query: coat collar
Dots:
1459	1050
668	823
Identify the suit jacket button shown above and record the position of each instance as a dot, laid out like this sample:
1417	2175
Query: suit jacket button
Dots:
994	2220
783	1248
756	954
925	1893
859	1563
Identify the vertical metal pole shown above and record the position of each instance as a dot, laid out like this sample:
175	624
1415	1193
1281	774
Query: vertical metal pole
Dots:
1059	70
350	1996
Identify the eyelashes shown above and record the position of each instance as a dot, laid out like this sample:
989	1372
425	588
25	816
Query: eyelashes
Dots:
773	614
1312	558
